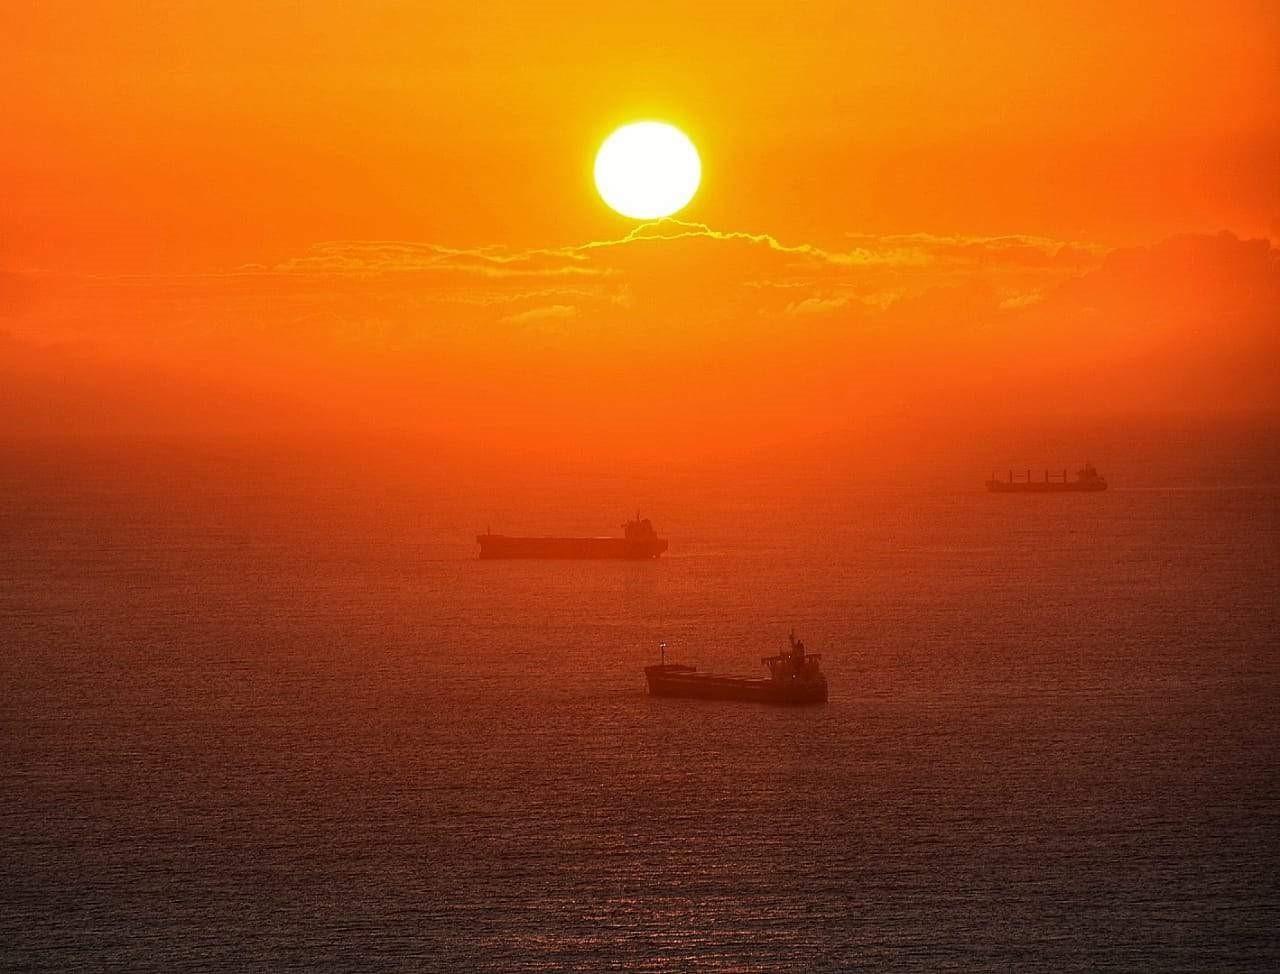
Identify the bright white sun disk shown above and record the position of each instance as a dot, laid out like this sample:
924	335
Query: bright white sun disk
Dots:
647	170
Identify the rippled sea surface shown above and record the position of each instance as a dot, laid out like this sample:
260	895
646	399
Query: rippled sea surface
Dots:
269	716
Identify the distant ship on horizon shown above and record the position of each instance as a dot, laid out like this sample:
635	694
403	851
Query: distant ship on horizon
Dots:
639	541
1087	479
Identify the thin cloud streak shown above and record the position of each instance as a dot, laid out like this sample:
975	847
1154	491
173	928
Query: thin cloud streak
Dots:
554	312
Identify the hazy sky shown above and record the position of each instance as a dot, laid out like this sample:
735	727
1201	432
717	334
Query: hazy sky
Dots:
243	213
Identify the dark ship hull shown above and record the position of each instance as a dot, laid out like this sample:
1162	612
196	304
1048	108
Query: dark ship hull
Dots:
1041	487
678	680
501	546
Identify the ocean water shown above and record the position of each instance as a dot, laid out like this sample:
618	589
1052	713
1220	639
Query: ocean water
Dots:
276	715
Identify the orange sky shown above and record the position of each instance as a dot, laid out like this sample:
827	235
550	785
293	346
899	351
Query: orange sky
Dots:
381	214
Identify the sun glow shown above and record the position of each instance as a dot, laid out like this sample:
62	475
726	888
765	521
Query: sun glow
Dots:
647	170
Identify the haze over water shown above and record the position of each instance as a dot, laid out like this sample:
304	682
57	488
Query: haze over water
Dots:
264	708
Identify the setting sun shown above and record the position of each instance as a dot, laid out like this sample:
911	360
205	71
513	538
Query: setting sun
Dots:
647	170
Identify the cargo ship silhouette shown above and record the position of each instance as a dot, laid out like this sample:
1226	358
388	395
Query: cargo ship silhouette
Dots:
639	541
1087	479
795	677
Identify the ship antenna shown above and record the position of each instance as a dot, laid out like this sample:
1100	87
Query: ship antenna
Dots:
662	648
